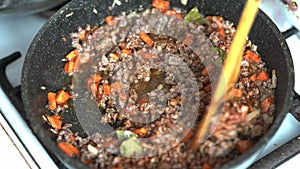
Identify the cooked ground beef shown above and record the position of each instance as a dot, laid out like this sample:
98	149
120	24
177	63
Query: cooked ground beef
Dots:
158	92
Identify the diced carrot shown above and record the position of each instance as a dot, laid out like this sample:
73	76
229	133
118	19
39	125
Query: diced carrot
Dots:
109	19
252	55
141	131
116	86
265	105
244	145
69	67
114	56
96	78
246	57
68	148
206	166
55	121
81	34
222	32
220	18
179	16
263	76
107	89
253	77
207	88
161	5
72	55
237	93
126	51
146	38
123	45
72	137
52	100
62	97
172	12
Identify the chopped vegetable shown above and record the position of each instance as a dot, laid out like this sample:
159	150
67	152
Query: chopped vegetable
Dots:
69	67
221	53
130	147
184	2
161	5
72	55
237	93
52	100
252	115
106	89
244	145
195	16
126	51
72	137
207	88
109	19
114	56
173	13
263	76
141	131
62	97
125	134
96	78
81	34
251	55
265	105
221	31
55	121
146	38
68	148
253	77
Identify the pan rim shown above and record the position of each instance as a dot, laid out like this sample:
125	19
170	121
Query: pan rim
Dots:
241	158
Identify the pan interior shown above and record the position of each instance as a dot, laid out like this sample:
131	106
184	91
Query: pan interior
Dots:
43	65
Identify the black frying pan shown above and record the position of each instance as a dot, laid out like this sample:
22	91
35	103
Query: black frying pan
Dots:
43	65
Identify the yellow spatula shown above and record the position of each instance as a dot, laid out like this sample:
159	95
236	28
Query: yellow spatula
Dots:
230	71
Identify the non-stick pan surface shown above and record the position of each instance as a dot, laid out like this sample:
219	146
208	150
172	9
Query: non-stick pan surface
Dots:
43	65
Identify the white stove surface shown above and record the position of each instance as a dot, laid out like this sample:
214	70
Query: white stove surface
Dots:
16	34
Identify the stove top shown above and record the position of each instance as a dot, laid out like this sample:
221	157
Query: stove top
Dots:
17	32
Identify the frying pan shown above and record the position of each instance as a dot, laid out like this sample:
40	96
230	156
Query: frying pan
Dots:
43	65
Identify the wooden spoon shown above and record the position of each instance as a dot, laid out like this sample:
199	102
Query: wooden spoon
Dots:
229	74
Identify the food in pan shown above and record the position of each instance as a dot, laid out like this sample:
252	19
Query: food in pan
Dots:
136	84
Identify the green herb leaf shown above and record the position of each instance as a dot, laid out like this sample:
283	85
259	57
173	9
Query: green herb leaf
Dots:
125	134
130	147
221	53
195	16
